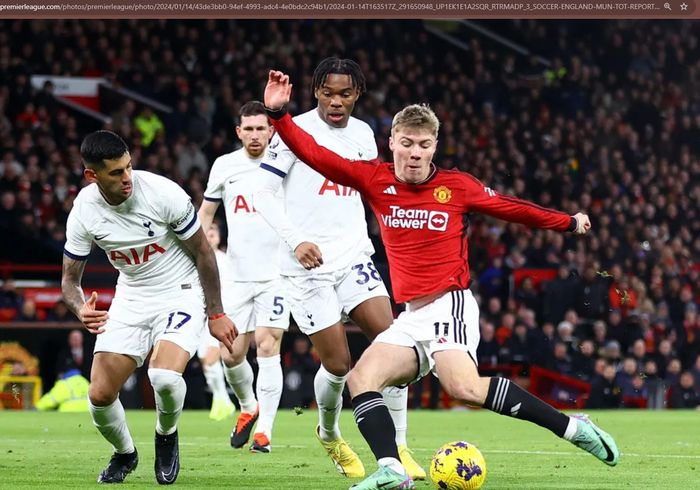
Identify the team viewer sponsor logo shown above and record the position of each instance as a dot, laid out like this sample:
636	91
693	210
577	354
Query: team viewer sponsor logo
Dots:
416	219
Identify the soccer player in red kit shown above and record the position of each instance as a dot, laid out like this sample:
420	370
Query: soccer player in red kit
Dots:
421	210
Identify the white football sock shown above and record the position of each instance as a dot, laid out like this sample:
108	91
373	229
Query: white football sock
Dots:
214	374
240	379
392	463
329	397
269	391
571	429
111	422
169	389
396	400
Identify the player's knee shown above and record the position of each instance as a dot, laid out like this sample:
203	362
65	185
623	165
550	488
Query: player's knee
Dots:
101	395
338	367
359	381
268	346
164	380
232	360
461	391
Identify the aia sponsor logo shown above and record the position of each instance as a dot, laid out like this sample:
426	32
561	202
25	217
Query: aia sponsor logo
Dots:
330	187
136	256
240	205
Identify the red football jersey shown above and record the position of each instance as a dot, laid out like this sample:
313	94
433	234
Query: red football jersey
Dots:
423	226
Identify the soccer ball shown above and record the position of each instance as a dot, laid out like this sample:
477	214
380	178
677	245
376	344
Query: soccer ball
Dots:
458	466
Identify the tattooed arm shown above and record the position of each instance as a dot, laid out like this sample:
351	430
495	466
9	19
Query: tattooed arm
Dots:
73	295
220	326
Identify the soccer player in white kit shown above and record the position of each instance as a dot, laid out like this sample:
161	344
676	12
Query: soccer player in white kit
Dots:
209	351
256	297
168	286
328	262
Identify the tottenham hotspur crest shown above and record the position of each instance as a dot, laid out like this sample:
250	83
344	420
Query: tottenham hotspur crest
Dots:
442	194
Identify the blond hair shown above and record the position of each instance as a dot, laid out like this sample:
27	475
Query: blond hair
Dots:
416	116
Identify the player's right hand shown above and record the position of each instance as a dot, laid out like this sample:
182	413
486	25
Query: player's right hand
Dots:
93	319
277	91
223	330
309	255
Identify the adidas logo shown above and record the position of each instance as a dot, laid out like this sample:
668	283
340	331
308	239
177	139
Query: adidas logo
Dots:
515	409
390	190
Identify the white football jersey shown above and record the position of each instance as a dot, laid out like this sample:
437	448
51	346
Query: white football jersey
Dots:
253	246
325	213
141	236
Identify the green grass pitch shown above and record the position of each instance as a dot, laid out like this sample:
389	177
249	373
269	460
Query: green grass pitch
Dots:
660	450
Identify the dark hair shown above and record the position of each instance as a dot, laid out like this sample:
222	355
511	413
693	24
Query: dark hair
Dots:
252	108
100	146
335	65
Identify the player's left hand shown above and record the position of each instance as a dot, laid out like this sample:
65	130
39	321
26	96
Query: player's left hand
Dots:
277	91
583	224
223	330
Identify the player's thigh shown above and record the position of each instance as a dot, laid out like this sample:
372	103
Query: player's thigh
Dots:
455	319
169	355
382	365
373	316
313	302
331	344
128	330
108	374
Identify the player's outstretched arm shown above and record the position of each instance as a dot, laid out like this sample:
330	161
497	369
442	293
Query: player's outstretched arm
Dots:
508	208
331	165
71	279
220	325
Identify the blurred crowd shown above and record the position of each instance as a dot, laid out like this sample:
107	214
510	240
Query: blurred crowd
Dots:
605	119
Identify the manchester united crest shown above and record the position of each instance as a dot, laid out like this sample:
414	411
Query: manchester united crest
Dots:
442	194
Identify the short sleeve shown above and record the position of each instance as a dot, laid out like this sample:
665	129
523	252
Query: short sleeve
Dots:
215	187
78	240
373	151
278	158
179	212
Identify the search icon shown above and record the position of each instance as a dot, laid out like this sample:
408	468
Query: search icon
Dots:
667	6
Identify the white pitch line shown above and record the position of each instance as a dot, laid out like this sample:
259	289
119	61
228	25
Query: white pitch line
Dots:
430	450
514	451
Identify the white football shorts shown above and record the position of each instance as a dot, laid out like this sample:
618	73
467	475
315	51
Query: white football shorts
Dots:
256	304
136	325
451	322
317	300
